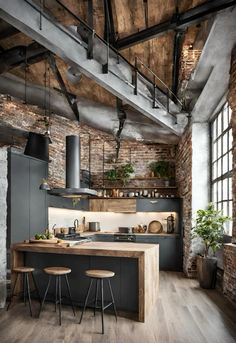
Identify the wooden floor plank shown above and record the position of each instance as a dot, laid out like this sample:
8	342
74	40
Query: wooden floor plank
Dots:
184	313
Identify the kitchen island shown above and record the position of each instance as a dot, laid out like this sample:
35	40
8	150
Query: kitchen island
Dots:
136	268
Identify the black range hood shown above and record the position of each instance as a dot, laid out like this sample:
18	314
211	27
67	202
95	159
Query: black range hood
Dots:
73	189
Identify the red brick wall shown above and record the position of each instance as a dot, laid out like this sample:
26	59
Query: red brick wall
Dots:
229	281
27	117
184	183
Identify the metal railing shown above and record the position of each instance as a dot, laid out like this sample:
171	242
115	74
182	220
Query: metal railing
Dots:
163	89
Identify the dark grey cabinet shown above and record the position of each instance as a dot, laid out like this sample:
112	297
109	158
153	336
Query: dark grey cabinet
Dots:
104	237
27	204
170	250
158	205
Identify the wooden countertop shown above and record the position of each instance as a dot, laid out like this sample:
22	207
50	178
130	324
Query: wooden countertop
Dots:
119	249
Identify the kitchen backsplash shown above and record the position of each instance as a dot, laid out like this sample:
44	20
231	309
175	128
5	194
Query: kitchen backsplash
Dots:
109	221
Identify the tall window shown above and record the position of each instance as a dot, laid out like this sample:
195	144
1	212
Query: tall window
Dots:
221	172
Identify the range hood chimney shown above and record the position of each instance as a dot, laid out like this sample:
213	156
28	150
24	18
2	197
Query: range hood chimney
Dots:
73	189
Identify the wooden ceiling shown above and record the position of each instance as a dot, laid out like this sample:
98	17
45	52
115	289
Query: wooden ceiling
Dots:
129	16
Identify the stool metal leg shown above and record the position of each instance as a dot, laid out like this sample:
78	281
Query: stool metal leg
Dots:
102	306
86	300
56	288
45	294
69	292
96	298
28	291
13	290
35	286
112	297
24	286
59	295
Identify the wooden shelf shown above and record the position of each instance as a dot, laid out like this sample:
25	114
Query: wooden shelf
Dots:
138	197
137	188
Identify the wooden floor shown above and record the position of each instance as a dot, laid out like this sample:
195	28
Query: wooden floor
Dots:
184	313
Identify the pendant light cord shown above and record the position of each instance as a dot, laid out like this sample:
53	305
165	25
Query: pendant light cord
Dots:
26	69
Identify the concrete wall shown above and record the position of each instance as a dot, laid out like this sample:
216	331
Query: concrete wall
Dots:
3	224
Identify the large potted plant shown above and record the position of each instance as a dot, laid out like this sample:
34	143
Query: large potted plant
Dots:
209	226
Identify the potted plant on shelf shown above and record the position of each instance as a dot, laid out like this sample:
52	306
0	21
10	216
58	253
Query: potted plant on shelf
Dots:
162	170
122	173
209	226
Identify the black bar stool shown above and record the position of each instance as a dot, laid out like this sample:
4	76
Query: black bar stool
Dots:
99	275
24	272
57	272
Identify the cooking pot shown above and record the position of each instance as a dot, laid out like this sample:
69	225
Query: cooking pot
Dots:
94	226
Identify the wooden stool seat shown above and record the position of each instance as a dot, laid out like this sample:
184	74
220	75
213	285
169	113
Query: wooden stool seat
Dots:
99	274
57	270
23	269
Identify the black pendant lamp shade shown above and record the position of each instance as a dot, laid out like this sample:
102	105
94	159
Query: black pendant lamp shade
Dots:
37	146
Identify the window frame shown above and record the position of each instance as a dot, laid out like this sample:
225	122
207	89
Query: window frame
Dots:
218	140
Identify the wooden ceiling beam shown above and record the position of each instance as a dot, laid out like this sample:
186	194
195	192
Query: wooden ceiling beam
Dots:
180	21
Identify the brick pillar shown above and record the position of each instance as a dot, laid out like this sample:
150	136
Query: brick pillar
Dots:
3	225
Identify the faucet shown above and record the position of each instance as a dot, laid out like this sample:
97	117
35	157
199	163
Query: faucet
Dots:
76	223
53	226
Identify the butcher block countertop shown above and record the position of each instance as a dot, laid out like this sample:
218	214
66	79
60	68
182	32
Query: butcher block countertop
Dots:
119	249
147	256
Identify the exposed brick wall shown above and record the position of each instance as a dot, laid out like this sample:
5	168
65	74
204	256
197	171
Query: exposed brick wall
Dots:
184	183
229	282
29	118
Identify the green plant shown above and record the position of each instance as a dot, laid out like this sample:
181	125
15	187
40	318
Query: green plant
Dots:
161	169
210	228
111	174
123	173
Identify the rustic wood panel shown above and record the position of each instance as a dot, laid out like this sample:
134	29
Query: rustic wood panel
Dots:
112	205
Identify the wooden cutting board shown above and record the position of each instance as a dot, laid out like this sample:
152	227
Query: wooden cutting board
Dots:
44	241
155	227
